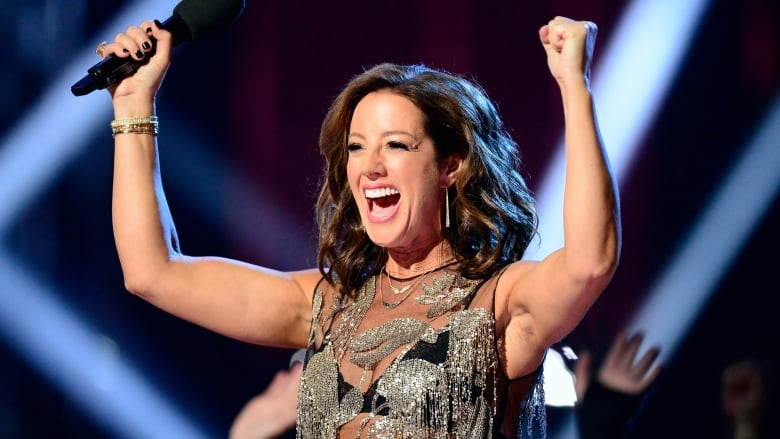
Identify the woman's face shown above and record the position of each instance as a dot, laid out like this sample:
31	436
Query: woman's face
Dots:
393	174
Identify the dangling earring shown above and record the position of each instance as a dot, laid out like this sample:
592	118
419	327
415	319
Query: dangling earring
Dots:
447	208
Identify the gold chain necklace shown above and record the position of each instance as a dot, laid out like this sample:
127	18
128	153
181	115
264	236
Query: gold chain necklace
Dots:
399	291
407	289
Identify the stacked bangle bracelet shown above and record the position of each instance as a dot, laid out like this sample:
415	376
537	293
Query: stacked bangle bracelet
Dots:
136	125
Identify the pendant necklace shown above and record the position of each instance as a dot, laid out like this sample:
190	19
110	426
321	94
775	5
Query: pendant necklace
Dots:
399	291
392	305
407	289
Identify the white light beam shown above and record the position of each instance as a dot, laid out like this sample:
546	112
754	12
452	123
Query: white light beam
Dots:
739	204
632	79
85	365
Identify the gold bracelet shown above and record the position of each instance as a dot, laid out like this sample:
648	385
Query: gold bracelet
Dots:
136	125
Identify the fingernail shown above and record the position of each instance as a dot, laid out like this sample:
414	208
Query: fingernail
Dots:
146	45
148	30
125	51
139	54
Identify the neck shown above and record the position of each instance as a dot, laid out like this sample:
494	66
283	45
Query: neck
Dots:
408	264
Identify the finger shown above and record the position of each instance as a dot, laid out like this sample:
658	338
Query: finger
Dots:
100	49
632	344
544	34
559	26
115	49
148	27
650	377
647	359
555	37
163	38
544	38
124	43
143	42
615	352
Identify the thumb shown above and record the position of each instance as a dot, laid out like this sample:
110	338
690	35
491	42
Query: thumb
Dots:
582	374
545	35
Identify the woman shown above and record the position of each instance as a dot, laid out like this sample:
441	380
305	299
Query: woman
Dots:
421	319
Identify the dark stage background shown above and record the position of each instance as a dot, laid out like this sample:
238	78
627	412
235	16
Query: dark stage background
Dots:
240	115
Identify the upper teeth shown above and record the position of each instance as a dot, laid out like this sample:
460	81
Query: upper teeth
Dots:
381	192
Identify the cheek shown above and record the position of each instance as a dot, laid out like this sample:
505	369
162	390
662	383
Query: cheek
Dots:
352	175
427	191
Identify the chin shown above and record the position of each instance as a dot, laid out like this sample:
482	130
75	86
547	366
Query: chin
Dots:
379	241
379	238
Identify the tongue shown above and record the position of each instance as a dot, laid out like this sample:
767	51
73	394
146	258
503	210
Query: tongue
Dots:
384	206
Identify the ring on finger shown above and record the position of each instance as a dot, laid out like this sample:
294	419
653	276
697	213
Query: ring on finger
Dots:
100	49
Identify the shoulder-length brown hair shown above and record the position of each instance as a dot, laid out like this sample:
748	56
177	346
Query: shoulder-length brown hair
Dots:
492	212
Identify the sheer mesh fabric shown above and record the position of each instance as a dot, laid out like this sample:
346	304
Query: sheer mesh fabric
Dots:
420	362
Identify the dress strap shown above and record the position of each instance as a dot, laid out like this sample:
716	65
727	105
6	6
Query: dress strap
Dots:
494	278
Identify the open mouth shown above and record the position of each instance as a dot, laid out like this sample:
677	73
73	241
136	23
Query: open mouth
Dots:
382	202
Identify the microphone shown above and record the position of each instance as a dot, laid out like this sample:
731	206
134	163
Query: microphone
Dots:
191	20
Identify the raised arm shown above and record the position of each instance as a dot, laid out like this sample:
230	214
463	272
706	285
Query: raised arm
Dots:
238	300
546	300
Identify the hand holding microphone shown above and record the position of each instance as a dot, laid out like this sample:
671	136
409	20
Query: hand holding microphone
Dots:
145	53
191	19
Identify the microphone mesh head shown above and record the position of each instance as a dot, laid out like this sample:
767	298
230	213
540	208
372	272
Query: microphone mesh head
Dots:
207	17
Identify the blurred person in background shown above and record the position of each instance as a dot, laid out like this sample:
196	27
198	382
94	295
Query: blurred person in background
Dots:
749	399
608	399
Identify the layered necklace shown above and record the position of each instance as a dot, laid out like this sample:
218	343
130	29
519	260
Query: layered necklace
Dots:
407	290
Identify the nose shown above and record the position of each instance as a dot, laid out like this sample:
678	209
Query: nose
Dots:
374	164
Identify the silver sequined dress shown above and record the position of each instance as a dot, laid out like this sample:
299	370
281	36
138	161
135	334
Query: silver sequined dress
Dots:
417	362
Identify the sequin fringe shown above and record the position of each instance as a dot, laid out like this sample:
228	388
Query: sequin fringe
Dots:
455	399
534	412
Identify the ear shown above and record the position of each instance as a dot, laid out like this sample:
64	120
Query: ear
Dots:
449	170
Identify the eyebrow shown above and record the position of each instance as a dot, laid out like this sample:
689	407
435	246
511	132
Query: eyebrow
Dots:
387	133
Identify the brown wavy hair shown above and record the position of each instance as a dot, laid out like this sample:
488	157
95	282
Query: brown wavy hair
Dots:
493	217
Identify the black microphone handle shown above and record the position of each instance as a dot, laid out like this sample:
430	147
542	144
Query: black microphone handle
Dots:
114	69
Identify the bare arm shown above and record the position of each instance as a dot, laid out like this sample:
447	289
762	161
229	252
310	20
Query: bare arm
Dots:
235	299
546	300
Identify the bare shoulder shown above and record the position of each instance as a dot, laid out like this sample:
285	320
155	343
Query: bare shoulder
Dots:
514	280
307	281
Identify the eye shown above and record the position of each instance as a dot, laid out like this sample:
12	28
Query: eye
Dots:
354	147
397	145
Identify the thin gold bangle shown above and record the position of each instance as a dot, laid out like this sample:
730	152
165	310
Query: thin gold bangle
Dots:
135	125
